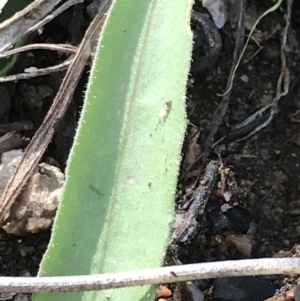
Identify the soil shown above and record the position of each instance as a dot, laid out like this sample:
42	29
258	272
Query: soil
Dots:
262	170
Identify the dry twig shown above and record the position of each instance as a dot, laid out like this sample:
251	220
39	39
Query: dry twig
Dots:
38	72
57	47
232	268
188	228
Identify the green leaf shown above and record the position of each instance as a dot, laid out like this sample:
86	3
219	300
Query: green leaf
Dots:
122	172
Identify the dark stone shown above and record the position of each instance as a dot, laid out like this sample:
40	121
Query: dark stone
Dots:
237	219
246	288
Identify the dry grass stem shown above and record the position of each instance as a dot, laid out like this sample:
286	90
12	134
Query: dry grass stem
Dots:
55	47
234	268
36	72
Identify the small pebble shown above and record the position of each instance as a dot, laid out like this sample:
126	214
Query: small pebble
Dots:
163	291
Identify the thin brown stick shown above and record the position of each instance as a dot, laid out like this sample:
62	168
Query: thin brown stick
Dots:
37	72
233	268
41	139
56	47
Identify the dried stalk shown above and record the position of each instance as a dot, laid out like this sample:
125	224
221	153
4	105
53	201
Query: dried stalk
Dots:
233	268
